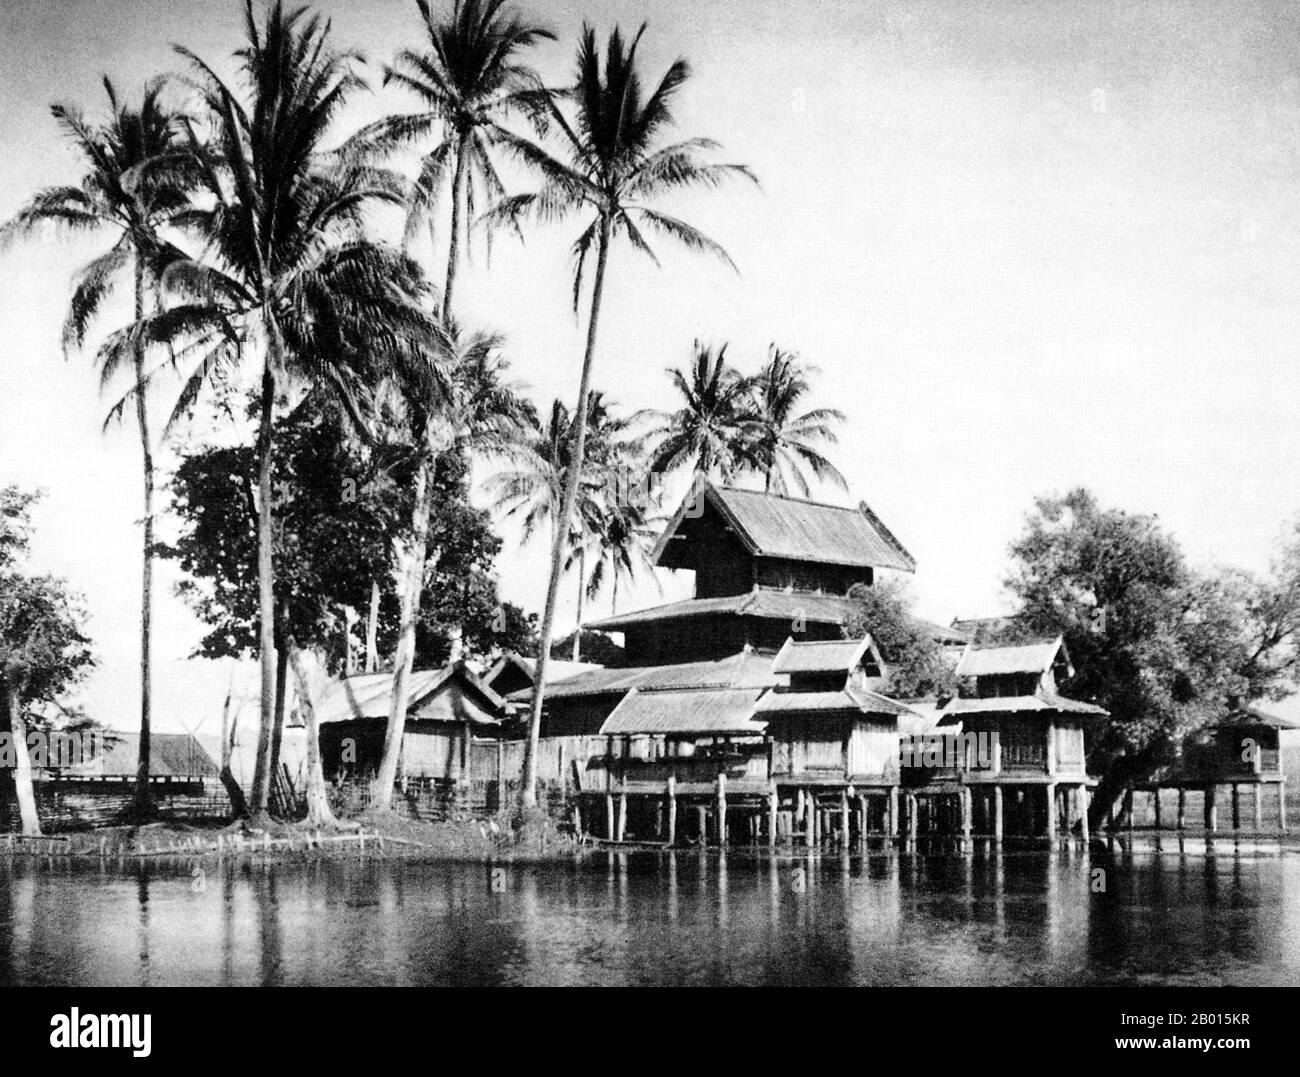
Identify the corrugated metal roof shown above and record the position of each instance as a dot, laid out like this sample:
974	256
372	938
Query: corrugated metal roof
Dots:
1027	658
861	700
1020	705
820	656
746	669
690	711
369	694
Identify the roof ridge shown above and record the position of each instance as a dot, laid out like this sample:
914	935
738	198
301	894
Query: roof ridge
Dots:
785	497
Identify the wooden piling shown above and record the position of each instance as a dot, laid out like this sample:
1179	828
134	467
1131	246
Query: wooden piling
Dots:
1211	809
672	808
1259	807
997	813
1182	808
1155	804
772	806
892	812
722	808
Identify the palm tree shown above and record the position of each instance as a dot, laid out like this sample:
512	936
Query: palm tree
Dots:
533	487
470	80
612	169
465	405
626	529
786	441
288	274
135	184
715	428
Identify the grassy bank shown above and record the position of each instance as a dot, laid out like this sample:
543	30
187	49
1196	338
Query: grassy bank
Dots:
379	834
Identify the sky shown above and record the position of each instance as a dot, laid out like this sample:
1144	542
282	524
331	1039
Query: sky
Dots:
1030	245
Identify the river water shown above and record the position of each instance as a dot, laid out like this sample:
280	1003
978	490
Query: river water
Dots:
1130	914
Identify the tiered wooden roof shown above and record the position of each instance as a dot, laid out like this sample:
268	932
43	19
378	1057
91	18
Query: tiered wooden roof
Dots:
767	603
1036	658
677	712
770	525
851	697
746	669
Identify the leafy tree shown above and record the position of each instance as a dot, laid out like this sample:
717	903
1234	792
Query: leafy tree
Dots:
916	663
1162	647
610	167
288	276
137	181
43	646
340	504
467	407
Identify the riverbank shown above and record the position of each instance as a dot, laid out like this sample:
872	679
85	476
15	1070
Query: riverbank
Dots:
382	834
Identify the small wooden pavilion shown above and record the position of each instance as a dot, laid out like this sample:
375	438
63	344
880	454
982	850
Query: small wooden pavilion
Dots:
1013	754
834	740
1241	751
447	708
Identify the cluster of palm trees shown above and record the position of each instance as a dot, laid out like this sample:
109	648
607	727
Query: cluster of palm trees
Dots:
729	425
247	228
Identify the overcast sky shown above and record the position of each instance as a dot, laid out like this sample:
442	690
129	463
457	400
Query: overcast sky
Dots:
1031	246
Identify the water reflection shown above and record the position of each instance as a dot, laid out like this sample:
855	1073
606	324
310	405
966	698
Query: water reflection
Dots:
1167	911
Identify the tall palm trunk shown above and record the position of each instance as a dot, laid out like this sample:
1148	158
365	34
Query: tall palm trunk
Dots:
277	723
372	629
22	773
318	805
143	807
582	587
265	588
411	585
453	246
528	788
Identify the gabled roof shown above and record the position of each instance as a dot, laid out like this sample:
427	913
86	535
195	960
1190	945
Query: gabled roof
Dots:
171	755
822	656
1036	658
690	711
1258	714
851	698
1044	703
771	525
746	669
368	695
556	670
